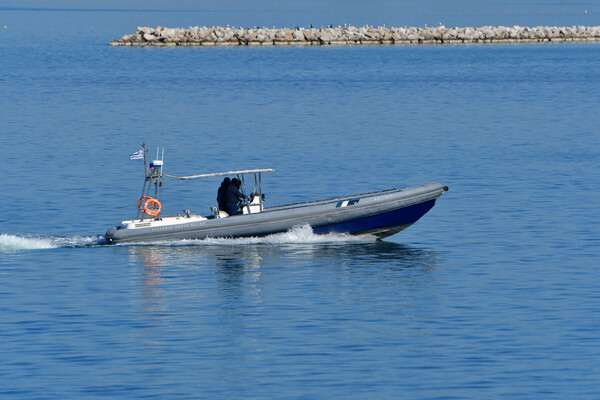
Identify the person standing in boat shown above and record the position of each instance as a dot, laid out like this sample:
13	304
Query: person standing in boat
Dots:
222	194
233	197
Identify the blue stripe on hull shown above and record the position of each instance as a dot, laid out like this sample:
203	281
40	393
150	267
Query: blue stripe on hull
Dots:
403	216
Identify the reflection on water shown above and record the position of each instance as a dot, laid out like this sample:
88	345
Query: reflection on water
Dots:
224	293
243	265
259	298
251	257
152	281
238	268
152	296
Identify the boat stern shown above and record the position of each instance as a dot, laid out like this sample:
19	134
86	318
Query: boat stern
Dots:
110	234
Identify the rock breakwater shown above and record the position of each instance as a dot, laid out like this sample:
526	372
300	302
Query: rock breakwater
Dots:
351	35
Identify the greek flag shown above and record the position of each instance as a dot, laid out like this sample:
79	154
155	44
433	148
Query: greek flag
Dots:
138	155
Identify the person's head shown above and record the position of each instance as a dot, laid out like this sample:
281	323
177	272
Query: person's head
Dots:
225	181
236	182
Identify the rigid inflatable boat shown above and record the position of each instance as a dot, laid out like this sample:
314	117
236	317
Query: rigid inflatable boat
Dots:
382	213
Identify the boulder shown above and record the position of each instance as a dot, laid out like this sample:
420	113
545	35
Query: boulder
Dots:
450	34
478	35
298	35
168	33
144	30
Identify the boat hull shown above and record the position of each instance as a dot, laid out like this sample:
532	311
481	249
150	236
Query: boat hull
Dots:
381	214
380	225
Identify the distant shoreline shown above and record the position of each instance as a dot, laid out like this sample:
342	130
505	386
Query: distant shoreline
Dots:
351	35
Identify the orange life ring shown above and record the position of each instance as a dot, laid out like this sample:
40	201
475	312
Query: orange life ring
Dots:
141	202
153	210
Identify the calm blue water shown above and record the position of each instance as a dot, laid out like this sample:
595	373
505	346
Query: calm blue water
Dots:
493	294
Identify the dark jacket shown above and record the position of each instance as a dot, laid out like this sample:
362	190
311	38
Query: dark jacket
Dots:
222	194
233	195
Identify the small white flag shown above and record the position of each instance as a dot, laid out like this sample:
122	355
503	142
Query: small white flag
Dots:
138	155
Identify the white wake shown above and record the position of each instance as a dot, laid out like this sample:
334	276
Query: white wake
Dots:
11	243
296	235
299	235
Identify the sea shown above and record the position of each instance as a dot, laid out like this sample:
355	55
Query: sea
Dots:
494	294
